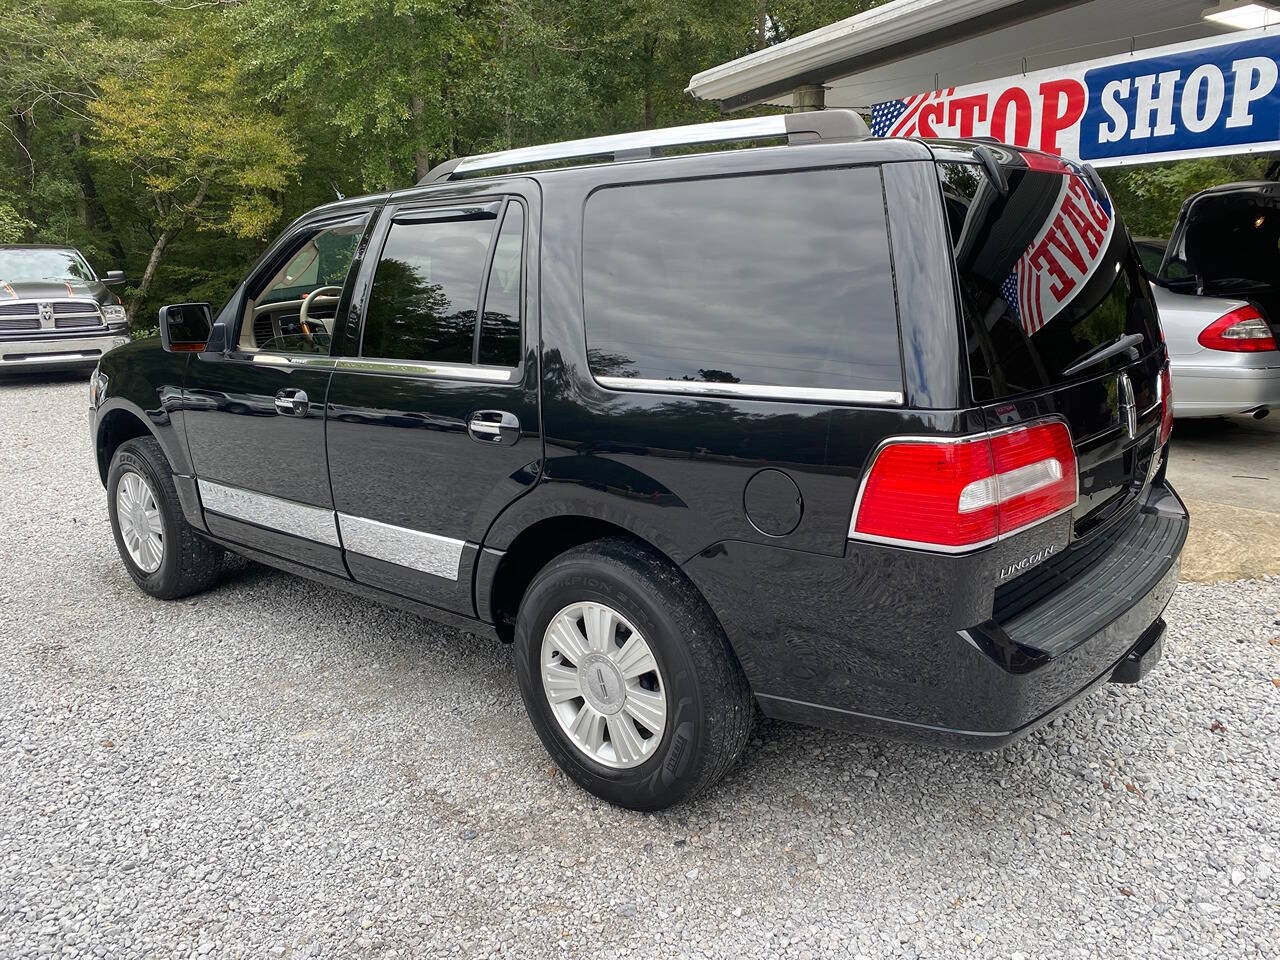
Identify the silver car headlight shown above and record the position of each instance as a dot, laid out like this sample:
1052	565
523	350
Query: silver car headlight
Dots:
114	314
97	387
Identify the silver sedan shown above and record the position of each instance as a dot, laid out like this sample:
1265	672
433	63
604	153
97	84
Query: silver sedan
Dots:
1210	381
1220	359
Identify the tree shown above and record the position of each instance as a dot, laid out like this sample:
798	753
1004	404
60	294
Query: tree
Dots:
197	148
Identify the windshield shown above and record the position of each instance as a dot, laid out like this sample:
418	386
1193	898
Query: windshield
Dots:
18	266
1048	277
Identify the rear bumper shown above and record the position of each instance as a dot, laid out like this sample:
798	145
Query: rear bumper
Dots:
57	353
906	644
1222	390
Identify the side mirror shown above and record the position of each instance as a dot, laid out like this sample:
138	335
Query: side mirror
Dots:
113	277
185	327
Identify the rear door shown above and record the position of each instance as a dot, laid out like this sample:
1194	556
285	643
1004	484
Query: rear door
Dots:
432	423
1059	320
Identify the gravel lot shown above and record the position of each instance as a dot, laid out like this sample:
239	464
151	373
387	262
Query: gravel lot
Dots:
272	770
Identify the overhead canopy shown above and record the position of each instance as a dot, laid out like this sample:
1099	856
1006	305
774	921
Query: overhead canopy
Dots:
910	46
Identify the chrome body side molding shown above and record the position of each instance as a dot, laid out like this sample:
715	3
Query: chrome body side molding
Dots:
754	391
287	516
425	552
415	549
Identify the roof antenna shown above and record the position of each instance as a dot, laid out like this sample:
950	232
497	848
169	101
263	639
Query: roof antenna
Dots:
340	194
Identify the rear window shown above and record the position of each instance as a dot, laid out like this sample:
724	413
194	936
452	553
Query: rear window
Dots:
1047	275
780	280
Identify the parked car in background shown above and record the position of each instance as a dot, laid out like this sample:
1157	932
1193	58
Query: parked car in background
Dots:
1217	285
55	312
694	432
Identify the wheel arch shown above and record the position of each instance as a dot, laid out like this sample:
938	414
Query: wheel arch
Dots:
118	423
504	576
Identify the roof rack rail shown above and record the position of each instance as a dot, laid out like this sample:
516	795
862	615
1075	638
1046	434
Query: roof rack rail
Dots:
809	127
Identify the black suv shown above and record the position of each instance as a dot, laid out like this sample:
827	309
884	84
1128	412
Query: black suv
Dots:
868	433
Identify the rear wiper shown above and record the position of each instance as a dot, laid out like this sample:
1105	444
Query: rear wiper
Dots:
1097	355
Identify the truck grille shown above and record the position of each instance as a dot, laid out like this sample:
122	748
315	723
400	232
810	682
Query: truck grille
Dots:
23	315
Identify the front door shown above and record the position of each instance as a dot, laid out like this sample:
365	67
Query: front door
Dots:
433	420
255	414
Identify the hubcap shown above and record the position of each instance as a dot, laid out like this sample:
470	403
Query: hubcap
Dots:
603	684
138	516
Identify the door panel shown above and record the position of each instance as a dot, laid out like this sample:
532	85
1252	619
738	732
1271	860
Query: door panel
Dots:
255	414
415	482
262	473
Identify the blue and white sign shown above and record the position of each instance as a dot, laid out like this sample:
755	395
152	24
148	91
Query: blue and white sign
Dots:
1204	98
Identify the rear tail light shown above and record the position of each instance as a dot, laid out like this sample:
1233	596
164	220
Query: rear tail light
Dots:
1240	331
1166	405
960	494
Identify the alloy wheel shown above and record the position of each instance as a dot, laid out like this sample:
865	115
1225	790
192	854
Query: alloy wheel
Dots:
603	684
138	516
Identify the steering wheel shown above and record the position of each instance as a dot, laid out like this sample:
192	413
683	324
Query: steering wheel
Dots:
304	320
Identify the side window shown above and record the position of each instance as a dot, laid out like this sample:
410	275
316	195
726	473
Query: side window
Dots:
292	308
426	289
500	323
780	280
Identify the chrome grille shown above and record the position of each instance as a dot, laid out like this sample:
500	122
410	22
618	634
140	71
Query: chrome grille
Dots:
64	307
22	315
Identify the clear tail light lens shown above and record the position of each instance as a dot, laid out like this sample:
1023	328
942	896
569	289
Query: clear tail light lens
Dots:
1240	331
964	493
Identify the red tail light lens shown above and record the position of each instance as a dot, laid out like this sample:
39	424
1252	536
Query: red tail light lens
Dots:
1240	331
1166	405
964	493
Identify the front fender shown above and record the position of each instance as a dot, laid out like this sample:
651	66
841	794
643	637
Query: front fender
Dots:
146	383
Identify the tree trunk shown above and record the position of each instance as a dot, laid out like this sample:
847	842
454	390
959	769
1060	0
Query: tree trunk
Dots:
650	49
762	24
161	244
22	134
157	254
93	214
421	159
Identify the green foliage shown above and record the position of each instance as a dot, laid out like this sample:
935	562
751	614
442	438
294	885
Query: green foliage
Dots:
171	139
1150	196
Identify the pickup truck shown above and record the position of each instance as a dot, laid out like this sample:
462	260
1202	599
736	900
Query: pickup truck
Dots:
55	312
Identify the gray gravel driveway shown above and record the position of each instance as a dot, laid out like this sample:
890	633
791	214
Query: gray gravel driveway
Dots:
272	769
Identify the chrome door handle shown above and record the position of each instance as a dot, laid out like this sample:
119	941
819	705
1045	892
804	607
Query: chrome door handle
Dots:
493	426
292	403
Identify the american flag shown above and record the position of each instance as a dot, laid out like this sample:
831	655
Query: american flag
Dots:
900	118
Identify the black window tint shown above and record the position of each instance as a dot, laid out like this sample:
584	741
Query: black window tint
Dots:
1047	275
500	324
778	280
426	290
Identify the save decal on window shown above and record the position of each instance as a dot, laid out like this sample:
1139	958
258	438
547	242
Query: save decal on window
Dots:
1062	258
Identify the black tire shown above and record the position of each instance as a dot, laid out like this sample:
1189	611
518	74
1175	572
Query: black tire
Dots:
709	703
189	564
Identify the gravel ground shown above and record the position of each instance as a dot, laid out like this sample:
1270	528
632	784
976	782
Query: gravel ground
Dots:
271	770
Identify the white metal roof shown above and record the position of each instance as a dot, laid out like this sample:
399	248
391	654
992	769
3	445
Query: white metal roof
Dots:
912	46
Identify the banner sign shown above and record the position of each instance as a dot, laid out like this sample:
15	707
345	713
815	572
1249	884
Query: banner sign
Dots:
1204	98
